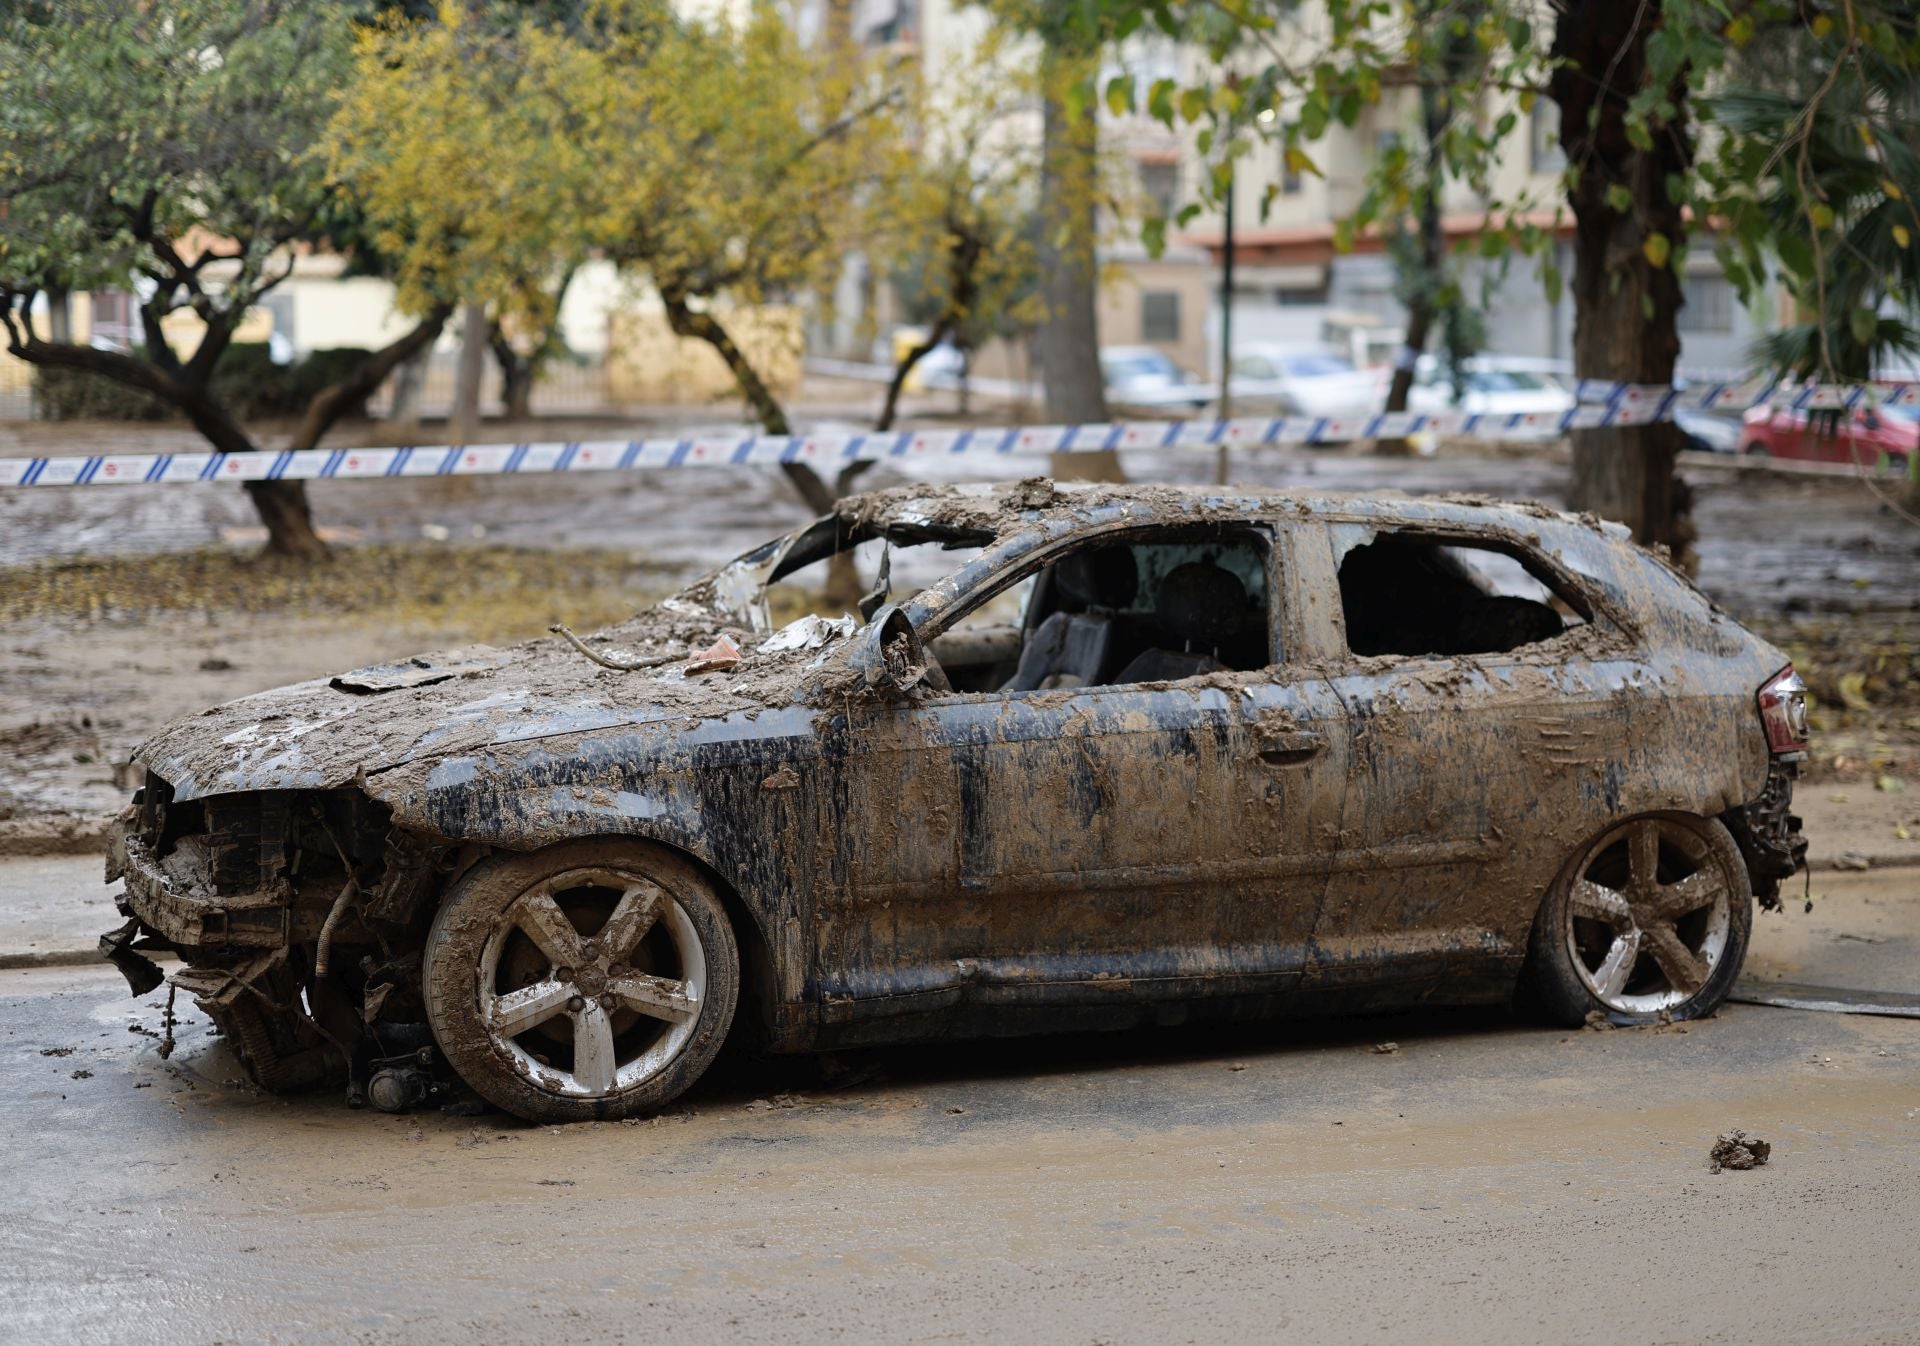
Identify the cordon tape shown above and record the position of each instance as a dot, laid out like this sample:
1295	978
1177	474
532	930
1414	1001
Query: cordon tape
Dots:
1598	404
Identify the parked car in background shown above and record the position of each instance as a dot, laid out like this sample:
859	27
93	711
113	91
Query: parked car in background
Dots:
1303	381
1111	757
1491	385
1865	436
1706	431
1144	376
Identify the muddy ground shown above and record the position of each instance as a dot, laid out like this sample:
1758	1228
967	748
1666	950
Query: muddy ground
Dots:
121	608
1483	1182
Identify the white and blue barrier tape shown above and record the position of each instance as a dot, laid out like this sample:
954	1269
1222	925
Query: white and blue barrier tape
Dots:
1599	404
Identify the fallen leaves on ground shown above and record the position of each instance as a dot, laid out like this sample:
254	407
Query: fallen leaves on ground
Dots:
490	592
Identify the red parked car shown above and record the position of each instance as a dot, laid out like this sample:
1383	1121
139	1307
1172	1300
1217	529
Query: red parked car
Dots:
1864	436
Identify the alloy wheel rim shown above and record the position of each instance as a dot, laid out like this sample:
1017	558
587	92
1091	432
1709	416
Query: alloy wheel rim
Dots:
589	1008
1649	915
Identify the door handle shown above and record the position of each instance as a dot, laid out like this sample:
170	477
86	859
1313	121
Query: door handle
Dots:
1290	749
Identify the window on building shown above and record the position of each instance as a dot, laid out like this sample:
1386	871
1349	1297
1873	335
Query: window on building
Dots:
1160	315
1544	152
1290	179
1707	305
1160	184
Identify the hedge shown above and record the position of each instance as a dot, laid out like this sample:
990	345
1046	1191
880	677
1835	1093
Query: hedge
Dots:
246	381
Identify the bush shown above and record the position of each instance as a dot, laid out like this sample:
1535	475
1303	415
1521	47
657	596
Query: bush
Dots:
247	382
77	395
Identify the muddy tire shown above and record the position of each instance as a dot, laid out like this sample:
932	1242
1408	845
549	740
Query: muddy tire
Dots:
590	980
1649	920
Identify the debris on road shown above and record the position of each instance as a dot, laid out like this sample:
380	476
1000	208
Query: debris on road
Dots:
1385	1049
1829	999
1738	1150
1852	860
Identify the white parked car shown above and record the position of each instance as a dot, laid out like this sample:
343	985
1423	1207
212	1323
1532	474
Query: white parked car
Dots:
1145	376
1494	385
1303	381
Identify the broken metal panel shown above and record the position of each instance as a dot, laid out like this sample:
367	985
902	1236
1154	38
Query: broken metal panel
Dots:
1827	999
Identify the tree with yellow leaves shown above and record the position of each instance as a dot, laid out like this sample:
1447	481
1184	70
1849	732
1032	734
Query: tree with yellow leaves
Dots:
711	160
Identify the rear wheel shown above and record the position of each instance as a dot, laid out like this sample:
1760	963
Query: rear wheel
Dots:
1651	918
588	980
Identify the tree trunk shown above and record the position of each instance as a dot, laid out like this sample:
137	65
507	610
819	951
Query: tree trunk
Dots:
403	419
1069	339
963	261
331	403
1625	307
1432	257
902	371
466	385
516	374
843	578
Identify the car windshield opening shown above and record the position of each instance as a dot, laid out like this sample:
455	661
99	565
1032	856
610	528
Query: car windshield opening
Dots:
1408	595
831	568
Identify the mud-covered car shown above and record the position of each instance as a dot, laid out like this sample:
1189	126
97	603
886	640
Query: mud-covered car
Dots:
1088	758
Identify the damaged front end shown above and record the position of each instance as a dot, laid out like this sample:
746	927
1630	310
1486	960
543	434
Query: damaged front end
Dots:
298	914
1769	832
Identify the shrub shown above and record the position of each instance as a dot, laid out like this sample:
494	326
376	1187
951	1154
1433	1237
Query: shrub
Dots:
247	382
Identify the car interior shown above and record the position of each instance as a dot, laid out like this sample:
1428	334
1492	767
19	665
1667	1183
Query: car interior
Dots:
1150	608
1408	595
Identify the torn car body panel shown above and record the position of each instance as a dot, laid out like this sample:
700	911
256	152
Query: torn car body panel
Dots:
1210	795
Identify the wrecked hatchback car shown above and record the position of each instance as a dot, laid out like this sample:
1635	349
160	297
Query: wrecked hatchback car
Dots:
1085	758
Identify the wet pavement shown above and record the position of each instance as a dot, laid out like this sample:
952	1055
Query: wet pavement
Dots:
1486	1181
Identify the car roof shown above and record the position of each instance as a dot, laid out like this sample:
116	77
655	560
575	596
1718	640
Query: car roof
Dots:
996	508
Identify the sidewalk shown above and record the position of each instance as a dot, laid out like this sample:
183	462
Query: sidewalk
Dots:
53	909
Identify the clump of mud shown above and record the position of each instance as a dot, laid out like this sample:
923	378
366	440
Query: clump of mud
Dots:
1738	1150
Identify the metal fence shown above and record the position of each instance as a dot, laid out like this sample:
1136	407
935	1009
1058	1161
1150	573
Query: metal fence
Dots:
566	387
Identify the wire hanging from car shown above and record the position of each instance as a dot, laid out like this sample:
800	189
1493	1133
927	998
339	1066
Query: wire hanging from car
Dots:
622	665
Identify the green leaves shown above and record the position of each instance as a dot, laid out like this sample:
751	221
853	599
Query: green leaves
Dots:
1656	248
1160	100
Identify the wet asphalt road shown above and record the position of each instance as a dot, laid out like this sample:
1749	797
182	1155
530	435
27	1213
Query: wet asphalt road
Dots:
1487	1182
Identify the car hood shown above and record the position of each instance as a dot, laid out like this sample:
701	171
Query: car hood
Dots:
327	732
1358	393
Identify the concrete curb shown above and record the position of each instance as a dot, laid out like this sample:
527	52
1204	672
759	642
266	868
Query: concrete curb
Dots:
56	958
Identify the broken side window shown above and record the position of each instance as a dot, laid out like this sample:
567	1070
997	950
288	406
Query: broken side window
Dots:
1407	594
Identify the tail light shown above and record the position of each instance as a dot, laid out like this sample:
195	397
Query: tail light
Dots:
1783	711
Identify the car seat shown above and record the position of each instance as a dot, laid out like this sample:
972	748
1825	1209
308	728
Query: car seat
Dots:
1072	648
1200	608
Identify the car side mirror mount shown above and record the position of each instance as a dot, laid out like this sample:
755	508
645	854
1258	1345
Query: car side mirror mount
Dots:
891	655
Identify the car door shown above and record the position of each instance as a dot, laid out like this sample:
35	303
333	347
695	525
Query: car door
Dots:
1086	844
1464	767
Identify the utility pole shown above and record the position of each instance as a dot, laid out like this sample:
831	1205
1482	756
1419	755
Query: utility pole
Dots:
1225	407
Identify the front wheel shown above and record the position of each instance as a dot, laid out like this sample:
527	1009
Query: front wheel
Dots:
589	980
1651	918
